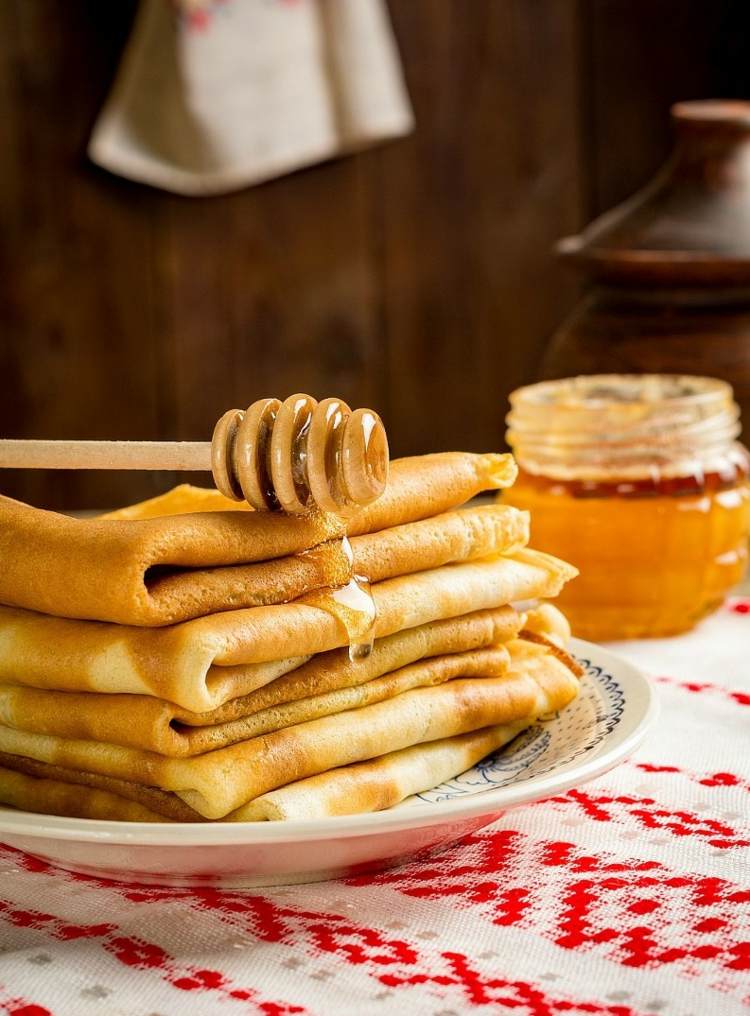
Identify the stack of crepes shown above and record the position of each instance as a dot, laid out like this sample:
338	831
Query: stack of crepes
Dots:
179	660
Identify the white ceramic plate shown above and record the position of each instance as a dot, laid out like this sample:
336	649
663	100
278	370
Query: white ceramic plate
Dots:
603	726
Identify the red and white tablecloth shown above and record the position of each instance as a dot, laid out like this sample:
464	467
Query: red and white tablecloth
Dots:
630	895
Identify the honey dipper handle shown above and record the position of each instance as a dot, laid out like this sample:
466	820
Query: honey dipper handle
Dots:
168	455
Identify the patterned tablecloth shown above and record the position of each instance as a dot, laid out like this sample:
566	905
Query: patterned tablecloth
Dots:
627	896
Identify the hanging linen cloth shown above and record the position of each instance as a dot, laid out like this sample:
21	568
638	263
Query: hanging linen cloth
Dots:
215	95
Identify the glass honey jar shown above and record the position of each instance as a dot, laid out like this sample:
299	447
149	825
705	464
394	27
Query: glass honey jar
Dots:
639	481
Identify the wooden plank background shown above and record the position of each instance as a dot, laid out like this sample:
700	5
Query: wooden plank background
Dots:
416	277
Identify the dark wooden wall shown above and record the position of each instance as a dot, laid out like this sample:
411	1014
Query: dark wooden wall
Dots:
415	277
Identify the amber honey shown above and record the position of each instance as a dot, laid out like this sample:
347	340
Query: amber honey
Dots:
640	483
351	602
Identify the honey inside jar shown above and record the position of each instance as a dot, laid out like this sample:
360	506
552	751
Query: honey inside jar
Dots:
638	481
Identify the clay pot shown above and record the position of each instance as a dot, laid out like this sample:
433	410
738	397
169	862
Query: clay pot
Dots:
670	267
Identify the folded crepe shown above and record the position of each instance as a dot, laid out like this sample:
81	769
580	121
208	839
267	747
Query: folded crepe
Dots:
57	797
221	781
335	783
73	799
178	595
385	781
364	786
157	570
202	663
328	683
378	783
185	741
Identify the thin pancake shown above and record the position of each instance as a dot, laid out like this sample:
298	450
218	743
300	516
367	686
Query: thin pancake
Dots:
221	781
159	802
200	664
55	797
377	783
155	725
368	785
178	595
102	569
184	741
362	787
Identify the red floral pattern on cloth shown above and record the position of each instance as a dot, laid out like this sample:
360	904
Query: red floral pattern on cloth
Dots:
629	896
739	604
198	15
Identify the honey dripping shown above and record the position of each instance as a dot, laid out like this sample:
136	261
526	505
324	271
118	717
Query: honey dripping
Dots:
293	456
350	602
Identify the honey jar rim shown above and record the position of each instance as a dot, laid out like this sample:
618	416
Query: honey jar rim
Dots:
578	427
693	388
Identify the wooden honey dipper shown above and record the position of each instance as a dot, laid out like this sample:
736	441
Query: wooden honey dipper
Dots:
285	456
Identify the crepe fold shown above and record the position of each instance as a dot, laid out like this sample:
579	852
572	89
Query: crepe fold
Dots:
385	781
364	786
158	570
178	595
202	663
221	781
536	683
50	796
378	783
328	683
158	802
189	741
